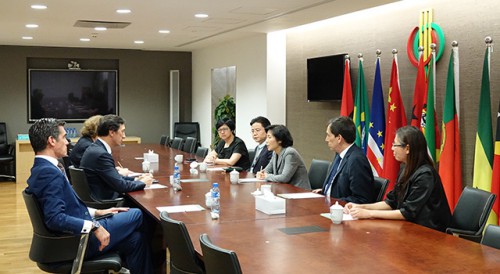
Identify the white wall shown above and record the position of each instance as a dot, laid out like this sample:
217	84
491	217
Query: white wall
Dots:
249	57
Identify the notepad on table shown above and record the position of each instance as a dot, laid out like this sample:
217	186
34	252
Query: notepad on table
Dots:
201	180
302	195
180	208
155	186
250	180
345	217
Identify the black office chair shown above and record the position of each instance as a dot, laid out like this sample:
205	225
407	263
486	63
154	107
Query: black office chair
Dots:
183	258
251	154
380	186
56	253
187	129
189	145
471	213
164	140
318	172
218	260
6	155
82	189
491	236
176	143
202	152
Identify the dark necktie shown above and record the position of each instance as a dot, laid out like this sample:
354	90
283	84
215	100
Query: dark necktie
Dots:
257	154
333	172
63	170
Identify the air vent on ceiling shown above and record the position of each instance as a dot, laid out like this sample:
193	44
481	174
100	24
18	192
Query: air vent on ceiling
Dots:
106	24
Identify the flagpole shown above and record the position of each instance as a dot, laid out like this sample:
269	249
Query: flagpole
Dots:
489	44
454	45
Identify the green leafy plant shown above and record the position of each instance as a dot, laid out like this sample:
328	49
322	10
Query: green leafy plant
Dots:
225	109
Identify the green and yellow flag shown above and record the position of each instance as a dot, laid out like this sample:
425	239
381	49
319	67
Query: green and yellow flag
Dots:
361	110
483	156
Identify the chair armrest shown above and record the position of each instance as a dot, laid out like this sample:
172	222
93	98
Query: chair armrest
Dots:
459	232
11	149
80	254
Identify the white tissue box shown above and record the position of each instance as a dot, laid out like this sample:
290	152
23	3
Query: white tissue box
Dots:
270	204
151	157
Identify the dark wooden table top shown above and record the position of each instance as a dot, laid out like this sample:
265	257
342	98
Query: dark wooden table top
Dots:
262	246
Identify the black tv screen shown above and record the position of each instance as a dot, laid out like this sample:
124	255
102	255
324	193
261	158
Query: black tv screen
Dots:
71	95
325	78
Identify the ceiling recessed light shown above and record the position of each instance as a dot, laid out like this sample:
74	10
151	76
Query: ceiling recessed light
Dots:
38	7
27	38
32	26
139	42
100	28
164	31
85	39
123	11
201	15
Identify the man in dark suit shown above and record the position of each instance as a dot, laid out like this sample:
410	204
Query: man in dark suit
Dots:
262	154
64	212
350	178
104	180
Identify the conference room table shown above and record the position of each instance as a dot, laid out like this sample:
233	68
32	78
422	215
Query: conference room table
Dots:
301	240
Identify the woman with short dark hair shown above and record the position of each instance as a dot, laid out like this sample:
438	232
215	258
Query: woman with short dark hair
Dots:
286	165
231	150
418	195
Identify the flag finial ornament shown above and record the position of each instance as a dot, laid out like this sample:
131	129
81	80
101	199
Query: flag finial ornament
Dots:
420	49
347	57
394	51
378	52
360	55
488	40
433	47
454	43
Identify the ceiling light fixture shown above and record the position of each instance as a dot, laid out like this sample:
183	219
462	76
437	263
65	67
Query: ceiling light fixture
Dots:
201	15
100	28
32	26
123	11
85	39
164	31
38	7
139	42
27	38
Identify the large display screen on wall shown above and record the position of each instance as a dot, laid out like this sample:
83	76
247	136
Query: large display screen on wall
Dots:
71	95
325	78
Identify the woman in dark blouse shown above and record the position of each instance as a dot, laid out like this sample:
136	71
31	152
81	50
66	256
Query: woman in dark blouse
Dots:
418	195
231	150
89	135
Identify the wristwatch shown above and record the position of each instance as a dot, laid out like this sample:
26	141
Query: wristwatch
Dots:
95	225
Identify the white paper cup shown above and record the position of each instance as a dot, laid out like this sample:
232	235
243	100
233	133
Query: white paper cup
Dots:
179	158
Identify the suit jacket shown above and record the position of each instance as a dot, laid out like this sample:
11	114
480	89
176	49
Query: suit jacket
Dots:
104	180
62	209
424	201
263	159
288	168
77	152
354	179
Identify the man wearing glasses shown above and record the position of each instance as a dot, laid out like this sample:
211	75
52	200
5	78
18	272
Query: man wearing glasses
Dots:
262	154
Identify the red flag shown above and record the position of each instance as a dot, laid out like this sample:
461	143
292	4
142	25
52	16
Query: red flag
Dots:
495	184
419	94
450	166
396	118
347	107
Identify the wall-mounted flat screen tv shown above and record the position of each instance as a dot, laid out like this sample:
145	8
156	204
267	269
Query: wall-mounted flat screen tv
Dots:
71	95
325	78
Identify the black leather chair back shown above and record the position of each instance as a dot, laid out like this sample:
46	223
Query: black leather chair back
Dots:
163	140
202	152
54	252
177	143
82	189
189	145
318	172
4	145
187	129
251	154
218	260
183	258
471	213
491	236
380	187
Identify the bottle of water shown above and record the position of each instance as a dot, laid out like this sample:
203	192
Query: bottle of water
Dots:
215	206
177	178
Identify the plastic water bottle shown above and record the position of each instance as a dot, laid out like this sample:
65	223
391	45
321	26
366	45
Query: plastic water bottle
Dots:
215	206
177	178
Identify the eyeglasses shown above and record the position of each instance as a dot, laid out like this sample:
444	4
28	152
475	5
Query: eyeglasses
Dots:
222	129
398	145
